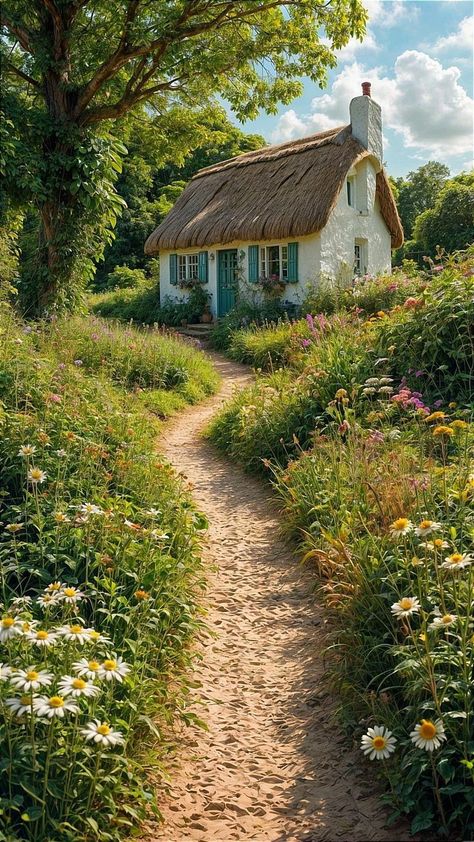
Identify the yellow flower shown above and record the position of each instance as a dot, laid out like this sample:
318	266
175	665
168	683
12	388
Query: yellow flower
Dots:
443	431
459	424
341	393
435	416
452	405
400	526
141	595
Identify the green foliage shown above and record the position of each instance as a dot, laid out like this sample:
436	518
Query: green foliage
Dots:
70	68
109	518
160	161
450	223
134	359
143	306
418	192
123	277
246	314
437	338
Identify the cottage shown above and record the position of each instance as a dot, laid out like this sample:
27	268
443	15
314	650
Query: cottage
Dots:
284	216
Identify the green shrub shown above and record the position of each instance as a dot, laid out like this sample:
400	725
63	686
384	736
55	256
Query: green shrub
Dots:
247	314
88	503
143	306
433	344
123	277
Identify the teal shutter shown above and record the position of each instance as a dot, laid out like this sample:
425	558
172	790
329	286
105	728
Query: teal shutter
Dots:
202	267
253	264
292	263
173	268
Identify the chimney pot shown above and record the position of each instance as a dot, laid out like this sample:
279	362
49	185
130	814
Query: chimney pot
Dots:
366	89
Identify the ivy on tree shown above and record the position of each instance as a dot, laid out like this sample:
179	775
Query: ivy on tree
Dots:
75	66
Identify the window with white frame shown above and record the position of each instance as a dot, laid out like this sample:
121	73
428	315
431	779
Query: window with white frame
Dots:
274	261
360	257
351	201
188	266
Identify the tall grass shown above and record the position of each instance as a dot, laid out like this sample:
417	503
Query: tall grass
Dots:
96	534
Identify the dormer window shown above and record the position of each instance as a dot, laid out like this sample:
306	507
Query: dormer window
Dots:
351	191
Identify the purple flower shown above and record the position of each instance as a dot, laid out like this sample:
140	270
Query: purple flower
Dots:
310	321
438	403
77	362
305	343
419	373
62	365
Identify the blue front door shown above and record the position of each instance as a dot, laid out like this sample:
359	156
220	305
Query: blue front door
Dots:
226	280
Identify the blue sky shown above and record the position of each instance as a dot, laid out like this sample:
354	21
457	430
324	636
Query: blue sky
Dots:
418	54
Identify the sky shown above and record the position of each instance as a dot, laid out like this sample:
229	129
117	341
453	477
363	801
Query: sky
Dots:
418	55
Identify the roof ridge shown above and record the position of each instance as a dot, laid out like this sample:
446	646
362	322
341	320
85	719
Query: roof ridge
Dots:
269	153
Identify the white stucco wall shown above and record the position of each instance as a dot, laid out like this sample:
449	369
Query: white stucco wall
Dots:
329	253
308	269
347	224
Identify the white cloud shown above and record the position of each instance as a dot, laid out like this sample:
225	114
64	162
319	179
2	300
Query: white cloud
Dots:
388	13
462	39
422	101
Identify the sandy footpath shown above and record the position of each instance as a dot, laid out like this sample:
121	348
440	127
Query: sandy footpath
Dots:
273	767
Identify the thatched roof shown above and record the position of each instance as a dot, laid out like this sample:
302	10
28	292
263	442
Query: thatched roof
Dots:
269	194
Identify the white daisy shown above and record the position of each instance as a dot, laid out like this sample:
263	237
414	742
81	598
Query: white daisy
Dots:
61	453
5	672
426	527
51	706
153	512
54	587
400	526
428	734
406	606
75	632
71	595
9	627
75	686
435	544
90	509
41	637
110	669
101	733
30	679
457	561
21	705
87	669
36	476
27	450
378	743
442	621
47	600
97	637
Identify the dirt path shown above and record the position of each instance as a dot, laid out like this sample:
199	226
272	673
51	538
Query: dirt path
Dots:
273	765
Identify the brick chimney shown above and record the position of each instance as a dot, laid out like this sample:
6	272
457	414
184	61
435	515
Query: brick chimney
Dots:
366	122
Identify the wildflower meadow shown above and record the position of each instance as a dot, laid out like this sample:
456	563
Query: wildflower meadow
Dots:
100	573
363	423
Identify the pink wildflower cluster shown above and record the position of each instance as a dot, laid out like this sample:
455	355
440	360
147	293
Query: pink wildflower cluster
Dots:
410	400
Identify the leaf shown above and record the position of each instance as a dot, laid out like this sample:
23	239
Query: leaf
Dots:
422	821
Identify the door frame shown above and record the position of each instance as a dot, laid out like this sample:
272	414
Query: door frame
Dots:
220	253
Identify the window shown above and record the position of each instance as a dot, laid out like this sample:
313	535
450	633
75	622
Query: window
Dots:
274	261
351	192
360	257
188	266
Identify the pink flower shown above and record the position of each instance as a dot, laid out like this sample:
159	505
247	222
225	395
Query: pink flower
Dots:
53	398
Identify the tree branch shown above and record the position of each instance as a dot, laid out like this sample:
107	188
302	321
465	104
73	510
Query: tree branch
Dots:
12	68
22	34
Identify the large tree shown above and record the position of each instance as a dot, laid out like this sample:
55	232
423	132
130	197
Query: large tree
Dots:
450	223
74	66
419	191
